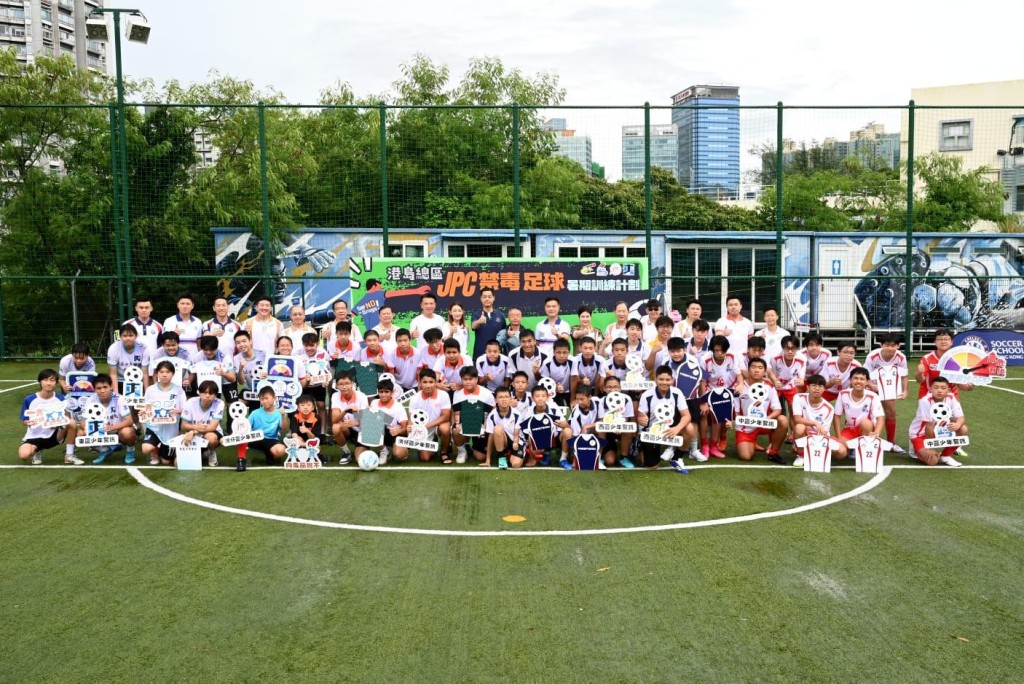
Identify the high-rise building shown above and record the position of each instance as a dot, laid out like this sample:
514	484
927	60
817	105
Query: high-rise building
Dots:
708	122
51	27
571	146
664	150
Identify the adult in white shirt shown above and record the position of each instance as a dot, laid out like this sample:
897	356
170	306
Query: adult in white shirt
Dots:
223	327
735	327
328	331
188	327
684	328
427	320
386	329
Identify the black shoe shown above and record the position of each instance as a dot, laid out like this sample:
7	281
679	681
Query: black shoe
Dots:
271	460
777	458
240	467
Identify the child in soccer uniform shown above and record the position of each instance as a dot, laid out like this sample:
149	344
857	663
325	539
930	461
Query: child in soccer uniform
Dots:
771	333
698	345
117	419
527	358
273	422
756	350
188	327
889	356
928	368
924	425
635	345
202	418
720	370
588	368
168	401
812	415
788	369
346	404
521	399
658	346
403	362
263	328
815	356
837	371
250	365
397	421
124	354
581	422
616	445
767	407
211	360
146	327
78	361
678	362
342	347
438	408
373	352
471	390
317	363
500	427
495	368
526	448
858	409
559	369
664	393
305	422
449	367
174	354
616	366
223	327
38	439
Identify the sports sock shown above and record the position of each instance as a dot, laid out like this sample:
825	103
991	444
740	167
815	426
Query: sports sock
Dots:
890	430
69	449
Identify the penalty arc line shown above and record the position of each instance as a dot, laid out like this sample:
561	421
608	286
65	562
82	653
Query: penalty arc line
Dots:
867	486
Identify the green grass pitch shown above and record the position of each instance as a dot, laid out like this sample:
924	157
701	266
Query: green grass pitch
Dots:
917	579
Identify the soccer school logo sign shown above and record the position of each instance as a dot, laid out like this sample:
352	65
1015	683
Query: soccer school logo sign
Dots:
1008	344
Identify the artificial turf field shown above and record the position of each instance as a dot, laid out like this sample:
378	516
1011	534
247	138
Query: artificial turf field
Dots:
915	579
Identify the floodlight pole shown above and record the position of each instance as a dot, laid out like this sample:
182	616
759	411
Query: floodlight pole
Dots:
122	148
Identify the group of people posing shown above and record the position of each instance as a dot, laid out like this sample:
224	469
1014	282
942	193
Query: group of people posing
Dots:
644	391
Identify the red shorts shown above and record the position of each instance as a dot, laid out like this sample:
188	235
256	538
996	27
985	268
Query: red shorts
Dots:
918	443
751	437
849	434
830	395
788	394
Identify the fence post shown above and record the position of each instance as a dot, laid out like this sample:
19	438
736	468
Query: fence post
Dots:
122	292
778	211
908	310
3	336
383	116
647	195
268	284
515	179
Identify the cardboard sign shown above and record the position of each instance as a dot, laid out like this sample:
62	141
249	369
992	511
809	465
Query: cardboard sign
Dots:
99	439
319	371
302	457
243	437
869	453
188	457
586	452
132	385
636	377
53	416
817	454
756	422
81	383
372	424
661	439
970	364
367	375
539	430
887	379
472	413
945	442
416	444
720	401
688	377
157	413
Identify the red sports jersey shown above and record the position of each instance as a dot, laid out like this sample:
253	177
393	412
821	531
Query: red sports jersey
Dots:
869	406
931	371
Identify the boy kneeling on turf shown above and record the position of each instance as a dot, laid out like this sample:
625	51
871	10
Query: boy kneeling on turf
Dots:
202	417
539	431
346	404
37	439
767	406
117	418
663	411
470	391
500	427
274	422
940	412
812	415
616	445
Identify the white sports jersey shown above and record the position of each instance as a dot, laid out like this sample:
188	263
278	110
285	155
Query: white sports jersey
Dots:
791	375
832	371
226	340
748	407
924	413
521	362
579	418
450	373
67	365
815	366
875	361
188	331
559	372
724	374
148	332
897	369
869	406
501	370
364	355
354	403
180	363
349	352
249	367
396	412
120	358
651	399
522	405
822	413
432	405
116	409
404	366
35	402
739	332
772	340
507	422
602	410
295	335
482	394
426	358
173	398
547	333
264	334
195	413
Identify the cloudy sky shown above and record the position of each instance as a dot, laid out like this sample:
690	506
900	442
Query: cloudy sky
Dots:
605	52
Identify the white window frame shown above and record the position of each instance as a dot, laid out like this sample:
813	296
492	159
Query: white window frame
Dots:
721	286
508	247
422	244
956	145
601	253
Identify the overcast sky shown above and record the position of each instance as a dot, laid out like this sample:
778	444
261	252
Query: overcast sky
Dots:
605	52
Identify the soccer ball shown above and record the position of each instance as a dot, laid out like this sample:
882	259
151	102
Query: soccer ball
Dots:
548	384
388	376
133	375
238	410
663	412
633	363
758	391
368	460
95	412
941	413
418	417
616	401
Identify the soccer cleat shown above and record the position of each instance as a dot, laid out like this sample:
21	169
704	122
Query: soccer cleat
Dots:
949	461
680	467
897	449
776	457
129	456
241	465
798	462
723	444
102	455
384	453
706	450
460	455
601	465
626	463
696	454
154	460
346	457
71	459
961	453
545	460
668	453
37	458
211	457
716	452
565	464
502	463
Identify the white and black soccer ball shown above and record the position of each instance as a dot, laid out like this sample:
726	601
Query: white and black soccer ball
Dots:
633	363
237	410
95	413
616	401
663	412
941	413
368	460
133	375
548	384
758	391
418	417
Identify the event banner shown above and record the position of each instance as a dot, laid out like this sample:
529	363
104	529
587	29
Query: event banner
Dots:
1009	344
522	283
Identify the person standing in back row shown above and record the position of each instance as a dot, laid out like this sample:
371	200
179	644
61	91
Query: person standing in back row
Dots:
735	326
487	323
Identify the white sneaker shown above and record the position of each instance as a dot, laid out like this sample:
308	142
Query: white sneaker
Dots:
798	462
37	458
71	459
897	449
696	454
668	453
950	461
212	460
961	453
384	453
911	452
460	456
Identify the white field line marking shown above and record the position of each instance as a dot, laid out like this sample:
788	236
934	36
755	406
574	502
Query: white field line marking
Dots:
24	380
1002	389
11	389
867	486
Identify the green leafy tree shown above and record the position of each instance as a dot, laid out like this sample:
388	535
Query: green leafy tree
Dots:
952	198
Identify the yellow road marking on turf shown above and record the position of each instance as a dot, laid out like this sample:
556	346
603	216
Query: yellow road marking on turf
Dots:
513	518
